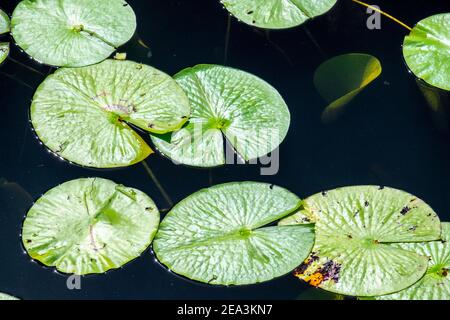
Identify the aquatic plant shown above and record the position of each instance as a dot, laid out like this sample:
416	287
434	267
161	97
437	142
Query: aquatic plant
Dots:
226	104
340	79
427	50
435	285
277	14
222	235
72	33
4	28
4	296
89	226
83	114
358	230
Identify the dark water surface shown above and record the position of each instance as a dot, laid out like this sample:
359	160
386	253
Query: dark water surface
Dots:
386	137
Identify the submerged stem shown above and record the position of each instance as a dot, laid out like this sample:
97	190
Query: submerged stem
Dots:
383	13
25	66
227	41
157	183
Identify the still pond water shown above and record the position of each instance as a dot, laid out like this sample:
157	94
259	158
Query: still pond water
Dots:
386	136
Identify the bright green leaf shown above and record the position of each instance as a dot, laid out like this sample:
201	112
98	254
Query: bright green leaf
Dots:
435	285
231	104
277	14
4	51
427	50
72	33
340	79
4	296
220	235
82	114
89	226
4	22
355	231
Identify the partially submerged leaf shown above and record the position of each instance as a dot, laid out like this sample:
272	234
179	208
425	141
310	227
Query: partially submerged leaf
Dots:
427	50
4	296
277	14
435	285
82	114
72	33
356	228
89	226
340	79
226	104
4	22
4	51
220	235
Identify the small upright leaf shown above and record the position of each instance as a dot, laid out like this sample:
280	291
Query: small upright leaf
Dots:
357	232
435	285
340	79
72	33
4	22
277	14
226	104
427	50
222	235
89	226
83	114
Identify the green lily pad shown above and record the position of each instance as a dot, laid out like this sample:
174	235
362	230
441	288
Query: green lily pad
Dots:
220	235
231	104
340	79
435	285
4	296
4	22
356	228
427	50
89	226
4	51
82	114
277	14
72	33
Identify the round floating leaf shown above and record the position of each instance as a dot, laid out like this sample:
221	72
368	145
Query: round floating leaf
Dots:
426	50
231	104
355	231
89	226
277	14
340	79
81	114
4	22
4	51
4	296
435	285
219	235
72	33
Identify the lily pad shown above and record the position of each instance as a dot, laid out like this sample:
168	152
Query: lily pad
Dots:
340	79
4	51
356	229
277	14
72	33
435	285
220	235
427	50
89	226
4	22
4	296
226	104
82	114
